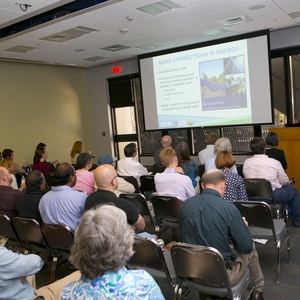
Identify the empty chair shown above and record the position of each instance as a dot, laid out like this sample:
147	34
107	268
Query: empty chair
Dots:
166	210
147	185
143	206
262	226
50	180
202	269
158	168
148	256
7	229
259	189
60	239
133	181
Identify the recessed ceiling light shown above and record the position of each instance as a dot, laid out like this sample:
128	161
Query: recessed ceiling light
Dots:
256	7
157	8
79	50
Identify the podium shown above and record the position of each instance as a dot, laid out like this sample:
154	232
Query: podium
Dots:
289	142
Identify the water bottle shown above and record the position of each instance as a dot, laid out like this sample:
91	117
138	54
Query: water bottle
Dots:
23	179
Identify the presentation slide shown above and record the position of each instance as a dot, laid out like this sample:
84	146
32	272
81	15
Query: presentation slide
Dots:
207	86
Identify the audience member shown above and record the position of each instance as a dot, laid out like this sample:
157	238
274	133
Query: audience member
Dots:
14	270
272	152
128	166
235	187
103	245
188	165
85	178
171	182
221	144
76	150
28	202
208	152
8	195
62	205
0	156
208	220
9	165
40	163
166	142
106	180
9	154
42	146
261	166
123	185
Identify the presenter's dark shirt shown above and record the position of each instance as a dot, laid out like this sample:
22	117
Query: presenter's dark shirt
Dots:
208	220
28	204
156	156
277	154
101	197
8	200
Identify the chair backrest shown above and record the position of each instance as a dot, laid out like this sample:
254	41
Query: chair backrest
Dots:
19	178
139	201
201	170
166	206
258	188
147	184
50	179
200	264
158	168
7	229
257	214
59	237
51	167
148	256
31	235
133	181
239	168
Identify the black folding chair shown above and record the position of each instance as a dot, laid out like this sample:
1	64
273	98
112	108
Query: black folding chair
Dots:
158	168
133	181
60	240
262	226
202	269
166	210
7	229
147	185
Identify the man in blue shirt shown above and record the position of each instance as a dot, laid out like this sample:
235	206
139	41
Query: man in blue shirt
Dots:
208	220
63	205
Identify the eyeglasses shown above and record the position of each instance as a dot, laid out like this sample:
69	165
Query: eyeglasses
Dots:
116	176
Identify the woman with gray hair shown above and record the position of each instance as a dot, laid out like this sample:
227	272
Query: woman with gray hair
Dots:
102	246
221	144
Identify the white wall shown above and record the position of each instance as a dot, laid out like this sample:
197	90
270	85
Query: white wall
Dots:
42	103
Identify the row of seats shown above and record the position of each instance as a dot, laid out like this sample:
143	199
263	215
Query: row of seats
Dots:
55	240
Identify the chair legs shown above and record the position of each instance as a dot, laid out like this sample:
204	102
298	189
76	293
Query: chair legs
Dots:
53	269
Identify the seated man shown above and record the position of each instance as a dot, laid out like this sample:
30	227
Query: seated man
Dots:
208	220
166	142
62	205
171	182
208	152
221	144
128	166
28	203
261	166
8	195
106	180
14	270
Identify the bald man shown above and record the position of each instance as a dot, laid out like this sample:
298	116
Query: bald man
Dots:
166	142
106	179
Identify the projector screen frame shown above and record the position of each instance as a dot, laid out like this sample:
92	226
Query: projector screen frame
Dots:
235	38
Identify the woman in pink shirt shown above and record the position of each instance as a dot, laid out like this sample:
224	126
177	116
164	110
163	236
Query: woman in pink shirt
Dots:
85	178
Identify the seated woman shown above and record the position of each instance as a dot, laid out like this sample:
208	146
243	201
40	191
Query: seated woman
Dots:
102	246
76	150
39	161
278	154
235	187
9	165
85	179
189	166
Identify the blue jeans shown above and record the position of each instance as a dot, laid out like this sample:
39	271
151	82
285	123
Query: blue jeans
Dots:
289	194
145	235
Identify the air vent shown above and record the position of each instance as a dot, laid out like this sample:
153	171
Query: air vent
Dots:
20	49
233	21
115	48
69	34
94	58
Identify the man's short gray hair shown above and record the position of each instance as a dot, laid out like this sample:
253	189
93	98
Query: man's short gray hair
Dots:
103	241
214	177
222	144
